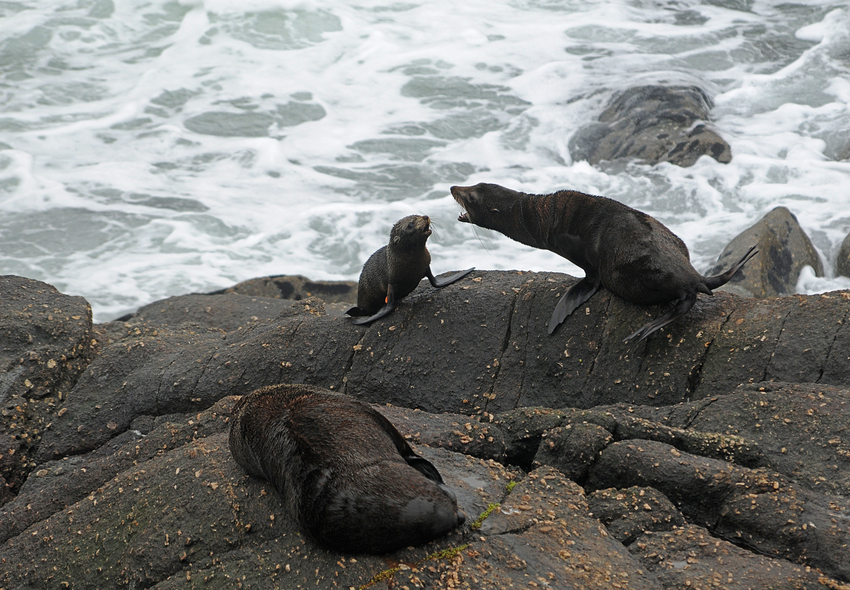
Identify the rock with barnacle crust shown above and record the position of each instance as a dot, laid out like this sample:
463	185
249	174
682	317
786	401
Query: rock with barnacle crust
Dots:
732	424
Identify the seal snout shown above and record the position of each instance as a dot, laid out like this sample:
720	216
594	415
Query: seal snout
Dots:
460	193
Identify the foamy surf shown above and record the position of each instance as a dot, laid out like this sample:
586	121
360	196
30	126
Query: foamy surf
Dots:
158	149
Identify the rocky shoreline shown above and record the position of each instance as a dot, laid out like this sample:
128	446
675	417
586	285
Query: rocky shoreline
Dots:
713	455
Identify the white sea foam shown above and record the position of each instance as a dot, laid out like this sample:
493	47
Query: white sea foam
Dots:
159	148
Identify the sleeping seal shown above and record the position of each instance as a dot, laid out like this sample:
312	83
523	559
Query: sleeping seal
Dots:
395	270
345	474
628	252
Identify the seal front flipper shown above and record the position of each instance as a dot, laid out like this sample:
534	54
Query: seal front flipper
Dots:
424	466
449	279
387	308
577	294
679	309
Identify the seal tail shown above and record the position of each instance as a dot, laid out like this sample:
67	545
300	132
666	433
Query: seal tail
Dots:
722	279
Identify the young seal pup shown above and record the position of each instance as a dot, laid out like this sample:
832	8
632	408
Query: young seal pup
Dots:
628	252
395	270
344	472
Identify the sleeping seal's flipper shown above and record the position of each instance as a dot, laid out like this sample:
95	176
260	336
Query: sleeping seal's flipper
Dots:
680	308
424	466
449	279
387	308
577	294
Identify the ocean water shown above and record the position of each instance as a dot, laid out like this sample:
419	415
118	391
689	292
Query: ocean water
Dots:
160	147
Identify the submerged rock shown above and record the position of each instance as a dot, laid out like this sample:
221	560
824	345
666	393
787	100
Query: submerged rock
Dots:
653	124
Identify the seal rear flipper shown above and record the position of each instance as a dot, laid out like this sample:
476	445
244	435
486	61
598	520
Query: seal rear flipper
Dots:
449	279
722	279
356	312
577	294
387	308
679	309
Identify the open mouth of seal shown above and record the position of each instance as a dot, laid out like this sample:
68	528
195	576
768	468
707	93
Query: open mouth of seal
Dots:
456	194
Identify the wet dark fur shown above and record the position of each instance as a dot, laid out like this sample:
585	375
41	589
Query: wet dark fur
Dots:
628	252
342	469
395	270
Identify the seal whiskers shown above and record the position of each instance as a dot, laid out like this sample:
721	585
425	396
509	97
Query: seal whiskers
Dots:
624	250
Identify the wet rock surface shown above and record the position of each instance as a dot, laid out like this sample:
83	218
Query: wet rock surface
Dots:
653	124
295	287
713	455
630	512
46	341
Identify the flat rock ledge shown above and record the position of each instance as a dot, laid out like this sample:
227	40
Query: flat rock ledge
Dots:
713	455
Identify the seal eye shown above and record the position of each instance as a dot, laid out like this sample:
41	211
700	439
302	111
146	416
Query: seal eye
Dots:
410	225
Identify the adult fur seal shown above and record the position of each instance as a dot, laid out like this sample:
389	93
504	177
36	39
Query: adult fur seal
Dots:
395	270
628	252
344	472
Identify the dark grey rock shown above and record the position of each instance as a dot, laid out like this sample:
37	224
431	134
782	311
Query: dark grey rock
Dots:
784	249
801	430
690	557
183	514
61	483
295	287
531	526
653	124
842	264
630	512
756	507
453	350
150	413
700	441
226	312
524	428
46	341
571	449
